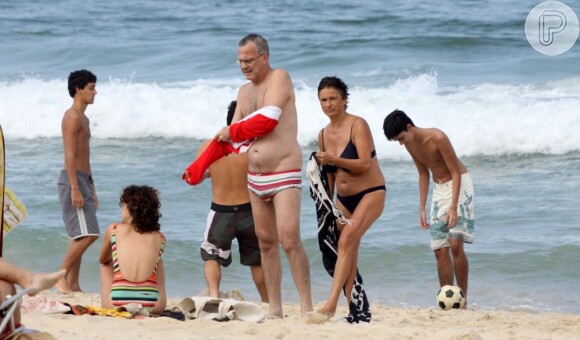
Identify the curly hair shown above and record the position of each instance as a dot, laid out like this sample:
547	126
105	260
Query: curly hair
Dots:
143	205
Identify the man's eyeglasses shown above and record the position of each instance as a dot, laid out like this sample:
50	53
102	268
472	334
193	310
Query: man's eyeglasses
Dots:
247	61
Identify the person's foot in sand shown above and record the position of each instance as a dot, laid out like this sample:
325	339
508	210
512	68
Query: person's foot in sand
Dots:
66	286
321	315
270	317
43	281
325	310
317	317
62	285
76	288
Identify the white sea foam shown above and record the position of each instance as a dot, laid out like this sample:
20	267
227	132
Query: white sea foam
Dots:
485	119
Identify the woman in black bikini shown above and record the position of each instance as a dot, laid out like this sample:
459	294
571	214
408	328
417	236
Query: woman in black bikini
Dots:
347	151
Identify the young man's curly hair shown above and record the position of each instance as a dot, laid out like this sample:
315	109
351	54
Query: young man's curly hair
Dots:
143	205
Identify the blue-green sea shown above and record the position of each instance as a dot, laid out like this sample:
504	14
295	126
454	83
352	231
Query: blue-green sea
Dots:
166	74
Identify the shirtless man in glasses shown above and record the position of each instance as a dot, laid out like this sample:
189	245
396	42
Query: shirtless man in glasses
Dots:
266	115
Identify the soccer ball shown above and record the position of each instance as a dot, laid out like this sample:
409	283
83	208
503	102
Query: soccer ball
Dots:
450	297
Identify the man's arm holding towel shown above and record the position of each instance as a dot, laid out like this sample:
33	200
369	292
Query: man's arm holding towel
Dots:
257	124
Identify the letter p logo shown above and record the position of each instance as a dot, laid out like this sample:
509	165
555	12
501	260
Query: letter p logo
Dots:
551	22
552	28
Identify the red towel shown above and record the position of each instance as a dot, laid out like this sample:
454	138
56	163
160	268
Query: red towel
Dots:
242	135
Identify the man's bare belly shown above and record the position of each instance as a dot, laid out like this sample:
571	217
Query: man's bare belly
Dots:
267	157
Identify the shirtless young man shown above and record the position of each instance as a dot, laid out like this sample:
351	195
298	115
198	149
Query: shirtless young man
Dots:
274	158
230	217
76	189
453	194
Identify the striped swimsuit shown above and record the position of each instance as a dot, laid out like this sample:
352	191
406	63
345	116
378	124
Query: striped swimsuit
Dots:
123	291
267	185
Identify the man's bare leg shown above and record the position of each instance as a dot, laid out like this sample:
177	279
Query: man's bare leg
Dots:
75	251
265	225
287	208
73	276
258	276
460	265
444	266
213	275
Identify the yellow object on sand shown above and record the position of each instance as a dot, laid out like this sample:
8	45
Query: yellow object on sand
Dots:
14	211
110	312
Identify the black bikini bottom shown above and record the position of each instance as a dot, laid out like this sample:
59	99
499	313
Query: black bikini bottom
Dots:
351	202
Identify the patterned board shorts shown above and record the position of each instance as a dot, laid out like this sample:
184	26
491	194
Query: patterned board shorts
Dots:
440	203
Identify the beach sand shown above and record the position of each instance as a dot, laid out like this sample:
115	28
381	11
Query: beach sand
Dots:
387	323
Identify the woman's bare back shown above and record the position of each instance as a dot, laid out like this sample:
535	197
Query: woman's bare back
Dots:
137	253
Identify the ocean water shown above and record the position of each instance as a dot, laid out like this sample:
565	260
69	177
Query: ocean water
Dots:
167	73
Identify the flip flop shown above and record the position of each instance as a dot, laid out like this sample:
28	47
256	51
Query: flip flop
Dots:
173	313
78	309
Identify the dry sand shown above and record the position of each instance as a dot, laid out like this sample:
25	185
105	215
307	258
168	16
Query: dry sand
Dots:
387	323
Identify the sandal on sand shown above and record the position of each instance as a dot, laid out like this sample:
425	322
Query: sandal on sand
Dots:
78	309
173	313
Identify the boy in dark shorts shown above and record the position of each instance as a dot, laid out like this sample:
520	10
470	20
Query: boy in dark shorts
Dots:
230	217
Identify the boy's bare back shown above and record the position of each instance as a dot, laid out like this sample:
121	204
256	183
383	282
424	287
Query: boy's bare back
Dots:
433	149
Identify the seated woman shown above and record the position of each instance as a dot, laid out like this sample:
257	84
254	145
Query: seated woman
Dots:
131	265
348	153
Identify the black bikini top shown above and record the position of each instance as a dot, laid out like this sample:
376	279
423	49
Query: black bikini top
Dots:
349	152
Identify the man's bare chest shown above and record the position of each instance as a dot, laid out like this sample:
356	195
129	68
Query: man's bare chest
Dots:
252	100
427	154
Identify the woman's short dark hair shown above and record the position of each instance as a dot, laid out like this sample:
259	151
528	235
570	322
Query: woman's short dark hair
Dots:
335	83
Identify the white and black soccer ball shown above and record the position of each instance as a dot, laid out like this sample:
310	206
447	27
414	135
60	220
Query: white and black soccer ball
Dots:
450	297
